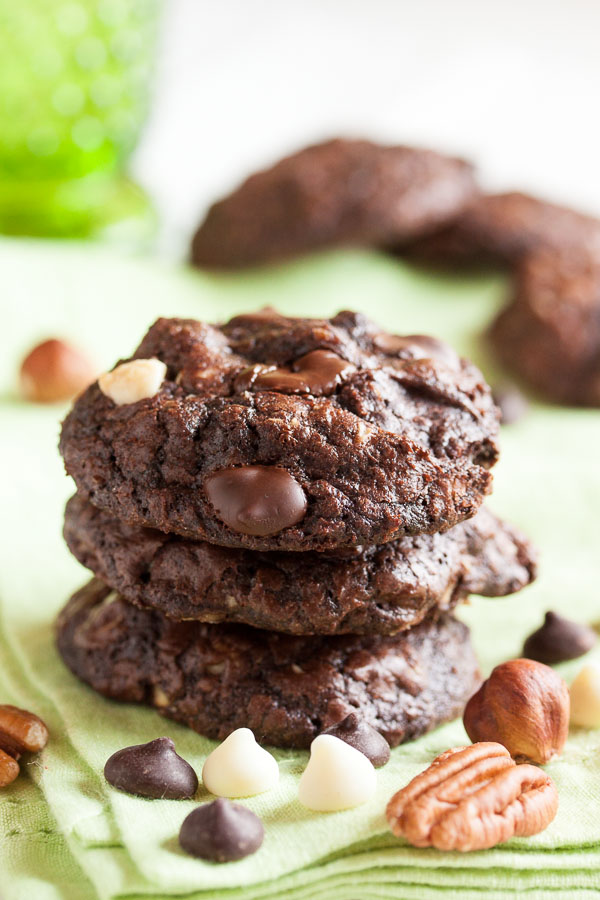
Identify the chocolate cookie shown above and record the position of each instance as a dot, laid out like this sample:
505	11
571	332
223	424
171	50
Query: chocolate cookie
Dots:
550	332
504	228
215	678
374	590
341	192
290	434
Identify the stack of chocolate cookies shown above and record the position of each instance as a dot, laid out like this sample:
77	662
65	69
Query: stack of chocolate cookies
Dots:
280	516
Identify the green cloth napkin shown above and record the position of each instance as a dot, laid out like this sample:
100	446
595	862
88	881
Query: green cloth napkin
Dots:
63	831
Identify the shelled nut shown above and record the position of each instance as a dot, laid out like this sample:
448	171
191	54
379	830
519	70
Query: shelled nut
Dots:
20	732
524	705
54	371
9	769
472	798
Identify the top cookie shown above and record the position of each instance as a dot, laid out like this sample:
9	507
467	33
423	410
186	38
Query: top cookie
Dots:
504	228
340	192
286	434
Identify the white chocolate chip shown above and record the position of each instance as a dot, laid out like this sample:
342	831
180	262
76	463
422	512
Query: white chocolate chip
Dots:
337	776
133	381
585	697
239	767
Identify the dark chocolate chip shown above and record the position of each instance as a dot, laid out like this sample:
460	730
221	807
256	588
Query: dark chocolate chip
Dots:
221	832
558	640
512	404
416	346
363	737
317	373
152	770
258	500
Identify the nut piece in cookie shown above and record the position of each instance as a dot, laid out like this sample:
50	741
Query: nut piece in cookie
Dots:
337	776
54	371
239	767
221	832
341	192
133	381
549	334
558	640
152	770
472	798
523	705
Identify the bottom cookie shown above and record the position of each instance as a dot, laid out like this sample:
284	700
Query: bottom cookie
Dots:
215	678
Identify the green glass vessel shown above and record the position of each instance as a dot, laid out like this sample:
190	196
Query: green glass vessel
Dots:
75	81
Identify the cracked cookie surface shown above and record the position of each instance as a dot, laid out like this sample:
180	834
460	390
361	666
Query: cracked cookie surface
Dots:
216	678
275	433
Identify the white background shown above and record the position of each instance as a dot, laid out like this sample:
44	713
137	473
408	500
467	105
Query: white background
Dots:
512	84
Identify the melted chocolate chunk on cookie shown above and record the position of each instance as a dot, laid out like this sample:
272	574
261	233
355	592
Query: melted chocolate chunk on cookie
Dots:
374	443
256	500
317	373
217	678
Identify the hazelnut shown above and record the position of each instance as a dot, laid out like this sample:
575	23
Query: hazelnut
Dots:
523	705
585	697
131	381
54	371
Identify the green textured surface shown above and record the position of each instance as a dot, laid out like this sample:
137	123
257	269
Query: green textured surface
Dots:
548	482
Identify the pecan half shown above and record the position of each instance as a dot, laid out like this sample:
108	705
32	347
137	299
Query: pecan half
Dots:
9	769
21	731
472	798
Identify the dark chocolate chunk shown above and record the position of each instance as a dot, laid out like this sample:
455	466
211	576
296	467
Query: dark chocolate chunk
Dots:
363	737
558	640
258	500
317	373
512	404
221	832
152	770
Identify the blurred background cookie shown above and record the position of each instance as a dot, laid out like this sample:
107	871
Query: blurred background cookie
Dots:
339	193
